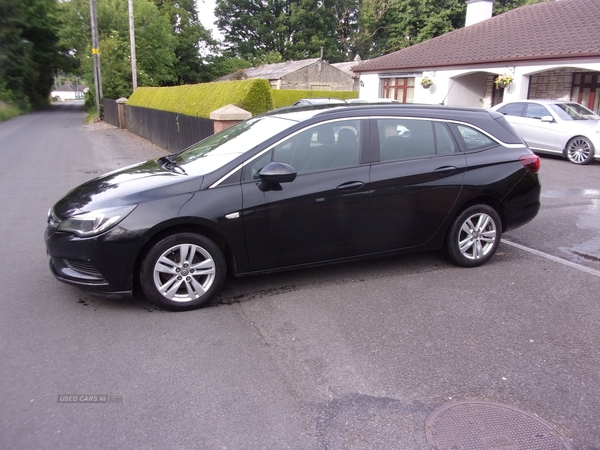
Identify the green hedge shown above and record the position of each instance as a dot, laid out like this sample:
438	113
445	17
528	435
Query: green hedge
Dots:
199	100
285	97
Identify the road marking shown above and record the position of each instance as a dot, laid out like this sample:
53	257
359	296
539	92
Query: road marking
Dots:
553	258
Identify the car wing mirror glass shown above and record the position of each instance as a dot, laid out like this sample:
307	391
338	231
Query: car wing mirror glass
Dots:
548	119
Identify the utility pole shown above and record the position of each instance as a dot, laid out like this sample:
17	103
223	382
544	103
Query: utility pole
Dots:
96	56
132	45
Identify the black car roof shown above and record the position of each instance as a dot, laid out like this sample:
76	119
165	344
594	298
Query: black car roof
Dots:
490	121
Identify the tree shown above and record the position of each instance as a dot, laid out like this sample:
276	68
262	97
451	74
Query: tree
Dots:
190	36
293	29
391	25
155	43
29	51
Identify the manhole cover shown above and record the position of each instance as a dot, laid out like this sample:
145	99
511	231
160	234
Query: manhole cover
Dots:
478	425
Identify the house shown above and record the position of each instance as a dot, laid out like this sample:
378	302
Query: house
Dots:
69	92
548	50
308	74
348	67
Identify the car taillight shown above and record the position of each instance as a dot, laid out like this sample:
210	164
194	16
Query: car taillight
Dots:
532	162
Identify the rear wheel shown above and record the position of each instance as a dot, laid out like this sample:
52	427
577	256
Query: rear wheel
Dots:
474	236
580	150
183	271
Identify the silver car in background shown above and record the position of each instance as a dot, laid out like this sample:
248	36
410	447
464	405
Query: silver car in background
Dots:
554	126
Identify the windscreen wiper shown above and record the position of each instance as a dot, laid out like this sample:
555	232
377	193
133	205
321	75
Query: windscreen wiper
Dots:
168	162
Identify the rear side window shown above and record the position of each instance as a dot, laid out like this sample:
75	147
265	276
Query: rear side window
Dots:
474	139
513	109
411	138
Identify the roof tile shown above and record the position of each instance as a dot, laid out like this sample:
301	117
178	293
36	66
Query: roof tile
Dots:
554	29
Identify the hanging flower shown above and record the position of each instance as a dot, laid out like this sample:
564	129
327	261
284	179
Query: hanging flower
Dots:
426	82
503	81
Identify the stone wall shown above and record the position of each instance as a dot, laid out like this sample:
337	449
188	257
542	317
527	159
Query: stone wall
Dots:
554	84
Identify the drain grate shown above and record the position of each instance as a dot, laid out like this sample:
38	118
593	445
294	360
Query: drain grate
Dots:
479	425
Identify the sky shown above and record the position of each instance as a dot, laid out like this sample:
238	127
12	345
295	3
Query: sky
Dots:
207	17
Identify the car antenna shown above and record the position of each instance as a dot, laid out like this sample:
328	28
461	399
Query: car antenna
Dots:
447	93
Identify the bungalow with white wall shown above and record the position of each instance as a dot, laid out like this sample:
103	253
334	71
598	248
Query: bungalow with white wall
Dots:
547	50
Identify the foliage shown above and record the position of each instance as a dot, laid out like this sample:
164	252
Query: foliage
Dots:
426	82
167	37
503	81
29	51
8	111
190	34
201	99
287	97
390	25
216	66
295	30
501	6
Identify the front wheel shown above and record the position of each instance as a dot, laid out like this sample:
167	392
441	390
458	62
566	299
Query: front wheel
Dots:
182	271
474	236
580	150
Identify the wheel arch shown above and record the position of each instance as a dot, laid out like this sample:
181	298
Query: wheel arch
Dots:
481	200
184	227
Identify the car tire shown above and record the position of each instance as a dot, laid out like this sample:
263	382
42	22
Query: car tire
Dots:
579	150
474	236
182	271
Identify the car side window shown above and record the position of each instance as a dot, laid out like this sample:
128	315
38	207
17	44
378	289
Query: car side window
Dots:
445	143
410	138
474	139
536	111
329	146
514	109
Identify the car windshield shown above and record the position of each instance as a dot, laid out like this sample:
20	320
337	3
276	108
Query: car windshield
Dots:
573	111
221	148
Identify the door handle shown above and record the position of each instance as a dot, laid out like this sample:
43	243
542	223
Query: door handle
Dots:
350	186
445	170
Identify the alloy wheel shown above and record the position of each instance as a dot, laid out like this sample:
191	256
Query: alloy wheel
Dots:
184	273
477	236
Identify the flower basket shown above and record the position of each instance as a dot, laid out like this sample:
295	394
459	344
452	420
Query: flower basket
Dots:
503	81
426	82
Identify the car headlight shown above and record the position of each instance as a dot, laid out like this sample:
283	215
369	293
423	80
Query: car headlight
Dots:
95	222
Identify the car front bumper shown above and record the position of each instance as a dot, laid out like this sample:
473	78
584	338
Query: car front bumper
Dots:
103	265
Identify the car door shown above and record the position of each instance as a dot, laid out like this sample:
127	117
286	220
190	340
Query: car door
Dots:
415	183
515	115
322	214
541	135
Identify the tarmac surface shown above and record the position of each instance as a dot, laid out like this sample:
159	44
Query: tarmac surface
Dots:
353	356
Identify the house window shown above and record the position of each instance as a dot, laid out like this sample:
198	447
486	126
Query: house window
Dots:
320	87
401	89
586	90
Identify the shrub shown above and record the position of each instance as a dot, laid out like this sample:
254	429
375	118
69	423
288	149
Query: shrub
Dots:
8	111
199	100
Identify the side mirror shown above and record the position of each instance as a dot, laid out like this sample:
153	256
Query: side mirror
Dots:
277	172
547	119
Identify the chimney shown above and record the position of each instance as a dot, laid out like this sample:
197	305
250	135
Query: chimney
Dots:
478	10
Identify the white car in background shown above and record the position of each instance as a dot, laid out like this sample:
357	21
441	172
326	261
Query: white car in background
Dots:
554	126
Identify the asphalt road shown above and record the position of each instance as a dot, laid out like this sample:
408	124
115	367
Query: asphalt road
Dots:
354	356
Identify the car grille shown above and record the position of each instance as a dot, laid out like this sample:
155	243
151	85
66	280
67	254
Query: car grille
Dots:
84	268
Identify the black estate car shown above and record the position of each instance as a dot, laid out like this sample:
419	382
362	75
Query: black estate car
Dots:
295	187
